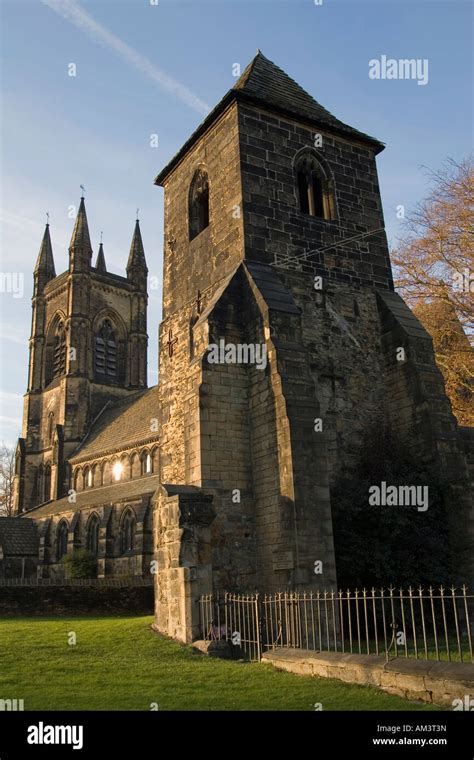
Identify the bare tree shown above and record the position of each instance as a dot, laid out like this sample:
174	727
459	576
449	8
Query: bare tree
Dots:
434	272
454	356
7	473
435	259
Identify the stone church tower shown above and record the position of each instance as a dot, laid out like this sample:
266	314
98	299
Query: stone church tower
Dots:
282	346
88	347
274	240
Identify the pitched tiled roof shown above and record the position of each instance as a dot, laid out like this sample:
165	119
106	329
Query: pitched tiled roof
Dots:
121	425
17	537
98	497
264	83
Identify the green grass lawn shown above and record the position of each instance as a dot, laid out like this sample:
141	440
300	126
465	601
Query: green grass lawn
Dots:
119	663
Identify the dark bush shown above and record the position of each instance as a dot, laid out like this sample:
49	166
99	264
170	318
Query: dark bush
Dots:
80	564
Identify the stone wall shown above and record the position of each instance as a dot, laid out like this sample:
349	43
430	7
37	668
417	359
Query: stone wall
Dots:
245	434
420	411
182	517
274	226
250	437
198	264
75	600
428	681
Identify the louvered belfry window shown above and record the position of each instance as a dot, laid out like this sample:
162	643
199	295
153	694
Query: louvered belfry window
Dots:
59	354
106	352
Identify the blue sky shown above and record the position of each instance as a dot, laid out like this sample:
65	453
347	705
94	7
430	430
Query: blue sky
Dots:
144	68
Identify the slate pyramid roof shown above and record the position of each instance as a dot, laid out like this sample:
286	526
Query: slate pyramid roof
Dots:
264	83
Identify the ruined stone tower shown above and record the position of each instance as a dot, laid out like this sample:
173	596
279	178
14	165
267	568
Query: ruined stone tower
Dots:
274	237
88	347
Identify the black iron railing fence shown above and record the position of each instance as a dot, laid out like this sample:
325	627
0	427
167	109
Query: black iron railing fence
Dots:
421	623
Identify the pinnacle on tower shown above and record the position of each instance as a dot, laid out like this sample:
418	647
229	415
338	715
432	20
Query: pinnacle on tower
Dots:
136	264
45	261
100	261
80	249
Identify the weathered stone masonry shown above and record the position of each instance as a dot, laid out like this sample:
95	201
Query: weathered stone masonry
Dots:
249	276
274	235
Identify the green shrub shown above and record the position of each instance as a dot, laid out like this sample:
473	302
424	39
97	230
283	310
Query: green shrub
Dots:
80	564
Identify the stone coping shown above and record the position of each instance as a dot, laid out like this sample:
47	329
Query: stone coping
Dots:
443	683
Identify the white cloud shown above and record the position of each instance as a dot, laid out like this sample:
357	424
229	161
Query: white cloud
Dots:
72	12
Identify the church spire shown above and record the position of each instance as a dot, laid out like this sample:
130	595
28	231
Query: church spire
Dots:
80	249
45	261
136	265
100	261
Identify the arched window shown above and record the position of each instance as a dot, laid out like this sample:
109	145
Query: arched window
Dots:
146	463
88	477
105	353
56	353
59	360
135	466
127	532
315	190
106	473
47	483
78	479
92	538
117	471
61	539
198	205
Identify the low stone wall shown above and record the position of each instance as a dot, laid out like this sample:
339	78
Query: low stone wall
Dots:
429	681
75	600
